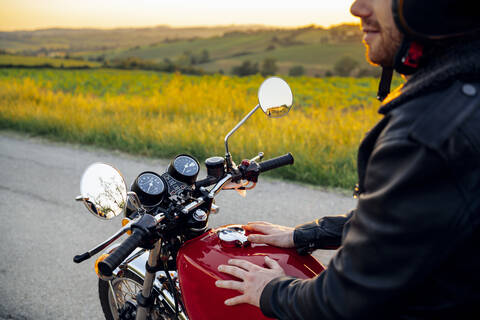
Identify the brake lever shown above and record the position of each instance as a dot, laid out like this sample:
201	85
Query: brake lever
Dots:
216	189
82	257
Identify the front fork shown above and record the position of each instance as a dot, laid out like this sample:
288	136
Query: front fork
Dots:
146	293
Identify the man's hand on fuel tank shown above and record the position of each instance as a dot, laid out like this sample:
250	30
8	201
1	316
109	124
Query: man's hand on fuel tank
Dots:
273	234
254	279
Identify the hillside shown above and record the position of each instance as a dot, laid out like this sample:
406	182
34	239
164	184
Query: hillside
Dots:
218	49
48	41
317	50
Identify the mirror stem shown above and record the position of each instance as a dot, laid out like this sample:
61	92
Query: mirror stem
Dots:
228	157
135	201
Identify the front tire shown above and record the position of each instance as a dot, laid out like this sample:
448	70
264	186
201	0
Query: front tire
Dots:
126	287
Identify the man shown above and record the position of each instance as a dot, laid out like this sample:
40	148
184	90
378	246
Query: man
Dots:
410	248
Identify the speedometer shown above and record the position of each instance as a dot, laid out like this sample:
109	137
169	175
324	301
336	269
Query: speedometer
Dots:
150	183
150	188
184	168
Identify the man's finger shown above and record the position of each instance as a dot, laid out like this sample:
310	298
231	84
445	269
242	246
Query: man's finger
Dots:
236	300
258	222
244	264
259	238
272	264
233	270
263	228
230	284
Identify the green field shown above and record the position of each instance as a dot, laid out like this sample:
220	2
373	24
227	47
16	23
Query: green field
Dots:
161	115
13	60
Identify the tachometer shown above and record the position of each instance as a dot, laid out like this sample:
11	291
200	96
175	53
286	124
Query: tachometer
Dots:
150	188
184	168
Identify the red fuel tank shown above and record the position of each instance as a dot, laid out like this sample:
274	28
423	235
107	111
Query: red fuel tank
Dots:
199	258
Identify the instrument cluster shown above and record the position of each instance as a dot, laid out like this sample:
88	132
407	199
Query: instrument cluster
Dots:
152	188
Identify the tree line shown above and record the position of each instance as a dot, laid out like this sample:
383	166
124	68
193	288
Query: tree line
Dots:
191	63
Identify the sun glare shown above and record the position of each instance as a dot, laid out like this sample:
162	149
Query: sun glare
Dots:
34	14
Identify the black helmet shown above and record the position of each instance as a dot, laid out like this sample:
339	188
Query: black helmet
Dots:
426	22
436	20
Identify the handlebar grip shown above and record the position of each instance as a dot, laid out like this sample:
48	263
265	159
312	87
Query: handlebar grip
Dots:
276	162
208	181
110	263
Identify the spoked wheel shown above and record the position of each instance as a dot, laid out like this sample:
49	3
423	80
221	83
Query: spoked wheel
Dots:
126	287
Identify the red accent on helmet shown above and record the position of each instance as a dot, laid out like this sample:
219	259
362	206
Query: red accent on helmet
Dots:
413	56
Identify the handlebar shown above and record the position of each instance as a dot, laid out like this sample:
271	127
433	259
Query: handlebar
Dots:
142	228
205	182
276	162
110	263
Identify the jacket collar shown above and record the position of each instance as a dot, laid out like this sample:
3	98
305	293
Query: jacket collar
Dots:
459	62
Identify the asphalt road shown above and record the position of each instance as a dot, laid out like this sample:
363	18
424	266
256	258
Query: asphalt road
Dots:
42	227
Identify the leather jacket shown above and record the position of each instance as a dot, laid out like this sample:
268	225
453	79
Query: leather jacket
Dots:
411	247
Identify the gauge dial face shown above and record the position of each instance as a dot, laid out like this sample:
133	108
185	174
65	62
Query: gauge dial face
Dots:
186	166
151	184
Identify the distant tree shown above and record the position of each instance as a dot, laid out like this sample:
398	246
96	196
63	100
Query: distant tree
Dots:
270	47
186	59
345	66
269	67
132	63
204	56
245	69
296	71
168	65
329	73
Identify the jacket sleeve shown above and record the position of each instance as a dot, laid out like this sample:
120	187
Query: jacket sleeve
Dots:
407	220
324	233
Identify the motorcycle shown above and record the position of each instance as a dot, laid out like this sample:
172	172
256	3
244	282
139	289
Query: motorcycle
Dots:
167	266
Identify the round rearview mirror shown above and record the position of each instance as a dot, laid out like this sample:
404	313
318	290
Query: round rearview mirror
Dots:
103	191
275	97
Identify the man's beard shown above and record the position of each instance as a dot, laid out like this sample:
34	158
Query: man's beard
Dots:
383	53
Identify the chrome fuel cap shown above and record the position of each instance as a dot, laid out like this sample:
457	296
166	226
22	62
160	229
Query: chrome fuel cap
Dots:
233	236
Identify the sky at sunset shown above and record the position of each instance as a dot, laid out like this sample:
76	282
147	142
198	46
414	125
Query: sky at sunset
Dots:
35	14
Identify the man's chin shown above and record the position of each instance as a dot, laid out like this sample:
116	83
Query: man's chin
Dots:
376	59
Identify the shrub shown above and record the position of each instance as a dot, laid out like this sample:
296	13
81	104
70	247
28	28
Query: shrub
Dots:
269	67
345	66
245	69
296	71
